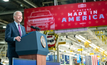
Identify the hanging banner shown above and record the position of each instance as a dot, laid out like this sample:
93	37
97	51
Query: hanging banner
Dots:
78	58
67	59
66	16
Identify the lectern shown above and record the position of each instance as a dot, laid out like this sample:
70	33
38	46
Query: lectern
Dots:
33	46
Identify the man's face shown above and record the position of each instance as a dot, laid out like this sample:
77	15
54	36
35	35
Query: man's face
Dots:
18	17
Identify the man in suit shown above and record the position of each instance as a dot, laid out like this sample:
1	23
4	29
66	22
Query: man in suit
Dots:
13	33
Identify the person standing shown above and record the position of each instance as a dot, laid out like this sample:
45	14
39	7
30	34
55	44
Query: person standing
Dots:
13	33
0	62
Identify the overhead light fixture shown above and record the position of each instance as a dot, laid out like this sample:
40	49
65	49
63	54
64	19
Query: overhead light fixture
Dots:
61	50
21	5
101	49
65	45
4	26
2	42
93	45
80	38
84	52
5	0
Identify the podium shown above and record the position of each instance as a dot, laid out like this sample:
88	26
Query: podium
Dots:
33	46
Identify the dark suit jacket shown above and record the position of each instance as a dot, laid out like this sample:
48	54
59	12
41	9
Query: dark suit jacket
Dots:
11	32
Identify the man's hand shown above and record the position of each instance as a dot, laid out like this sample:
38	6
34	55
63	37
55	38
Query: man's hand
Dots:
18	38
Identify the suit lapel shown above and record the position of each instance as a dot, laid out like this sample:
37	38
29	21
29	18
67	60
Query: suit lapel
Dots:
15	28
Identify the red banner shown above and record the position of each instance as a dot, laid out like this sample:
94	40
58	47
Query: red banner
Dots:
66	16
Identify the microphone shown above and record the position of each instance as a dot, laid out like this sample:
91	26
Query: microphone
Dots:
37	28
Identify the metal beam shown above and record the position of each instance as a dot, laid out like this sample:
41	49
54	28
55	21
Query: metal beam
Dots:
9	12
22	4
2	35
53	2
4	21
2	38
62	0
14	3
48	2
31	3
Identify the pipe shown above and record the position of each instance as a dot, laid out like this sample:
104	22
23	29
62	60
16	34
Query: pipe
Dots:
30	3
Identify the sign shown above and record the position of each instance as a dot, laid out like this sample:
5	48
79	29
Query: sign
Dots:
18	61
66	16
80	49
91	53
43	42
67	59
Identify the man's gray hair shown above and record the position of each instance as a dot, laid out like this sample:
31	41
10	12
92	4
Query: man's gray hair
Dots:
15	13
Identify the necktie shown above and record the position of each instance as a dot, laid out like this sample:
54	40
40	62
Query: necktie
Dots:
19	30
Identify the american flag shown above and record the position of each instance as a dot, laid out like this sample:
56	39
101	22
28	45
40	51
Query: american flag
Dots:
94	60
